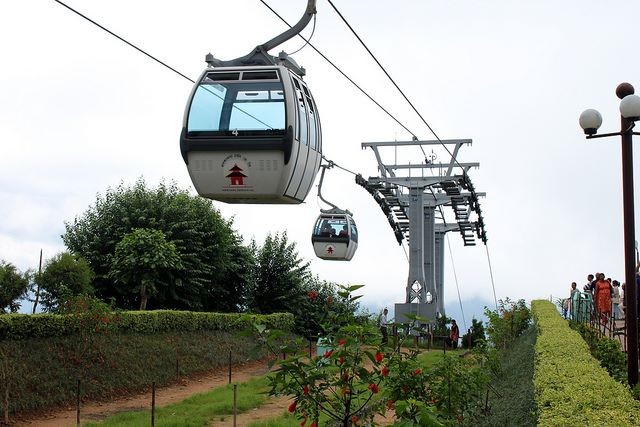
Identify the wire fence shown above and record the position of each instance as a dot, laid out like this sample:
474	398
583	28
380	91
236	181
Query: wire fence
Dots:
584	310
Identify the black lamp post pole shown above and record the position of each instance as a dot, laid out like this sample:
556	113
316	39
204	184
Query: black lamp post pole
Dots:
590	121
631	291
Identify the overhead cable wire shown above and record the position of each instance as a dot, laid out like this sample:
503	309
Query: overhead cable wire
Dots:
157	60
464	172
343	73
455	276
313	30
124	40
495	299
397	87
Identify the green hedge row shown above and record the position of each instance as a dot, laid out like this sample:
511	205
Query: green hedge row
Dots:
26	326
572	389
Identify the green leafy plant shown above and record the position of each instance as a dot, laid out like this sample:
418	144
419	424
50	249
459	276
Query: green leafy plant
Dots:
506	323
344	382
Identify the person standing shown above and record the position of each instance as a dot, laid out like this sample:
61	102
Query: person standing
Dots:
615	299
587	287
603	297
454	334
574	296
382	323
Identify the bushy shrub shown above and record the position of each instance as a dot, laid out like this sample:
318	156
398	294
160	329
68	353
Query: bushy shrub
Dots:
571	386
24	326
606	350
508	322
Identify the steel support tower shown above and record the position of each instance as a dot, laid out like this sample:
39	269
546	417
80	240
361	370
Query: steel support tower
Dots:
415	206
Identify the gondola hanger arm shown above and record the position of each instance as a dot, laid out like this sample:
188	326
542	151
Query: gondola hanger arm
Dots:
293	31
334	209
260	55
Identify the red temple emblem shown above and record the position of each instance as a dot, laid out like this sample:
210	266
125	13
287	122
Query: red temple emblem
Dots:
236	176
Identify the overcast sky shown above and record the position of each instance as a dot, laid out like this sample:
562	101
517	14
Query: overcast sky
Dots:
81	111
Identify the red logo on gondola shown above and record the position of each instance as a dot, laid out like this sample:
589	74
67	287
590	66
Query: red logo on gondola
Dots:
330	249
236	176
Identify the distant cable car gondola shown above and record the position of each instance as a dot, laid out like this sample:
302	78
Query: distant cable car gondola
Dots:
335	235
251	130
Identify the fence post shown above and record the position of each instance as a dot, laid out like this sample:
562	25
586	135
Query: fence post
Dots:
6	403
78	403
235	408
310	347
153	404
229	366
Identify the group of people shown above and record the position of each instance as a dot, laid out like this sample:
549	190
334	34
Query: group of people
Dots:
604	292
452	341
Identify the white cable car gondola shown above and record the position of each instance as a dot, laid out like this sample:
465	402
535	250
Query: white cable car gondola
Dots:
335	235
251	131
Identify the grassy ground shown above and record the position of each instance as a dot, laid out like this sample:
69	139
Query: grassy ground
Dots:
43	372
429	358
516	405
197	410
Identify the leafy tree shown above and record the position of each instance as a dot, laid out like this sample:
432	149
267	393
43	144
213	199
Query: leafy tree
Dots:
13	287
205	242
279	275
508	322
475	335
312	307
63	276
142	259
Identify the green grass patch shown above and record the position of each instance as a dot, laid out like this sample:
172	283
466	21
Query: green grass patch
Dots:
431	357
516	404
199	409
287	420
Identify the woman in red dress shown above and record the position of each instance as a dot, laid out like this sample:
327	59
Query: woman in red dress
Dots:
603	297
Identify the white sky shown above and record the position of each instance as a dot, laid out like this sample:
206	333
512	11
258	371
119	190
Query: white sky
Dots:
81	111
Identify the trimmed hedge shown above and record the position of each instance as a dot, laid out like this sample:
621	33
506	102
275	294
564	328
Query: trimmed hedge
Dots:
572	389
27	326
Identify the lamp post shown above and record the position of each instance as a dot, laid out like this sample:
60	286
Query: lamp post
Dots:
590	121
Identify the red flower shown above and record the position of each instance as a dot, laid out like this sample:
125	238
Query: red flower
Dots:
342	341
389	404
379	357
373	387
417	371
292	407
327	353
313	424
384	371
304	421
312	295
305	390
341	360
354	419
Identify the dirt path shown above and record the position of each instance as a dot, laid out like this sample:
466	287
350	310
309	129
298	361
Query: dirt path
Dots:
95	411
